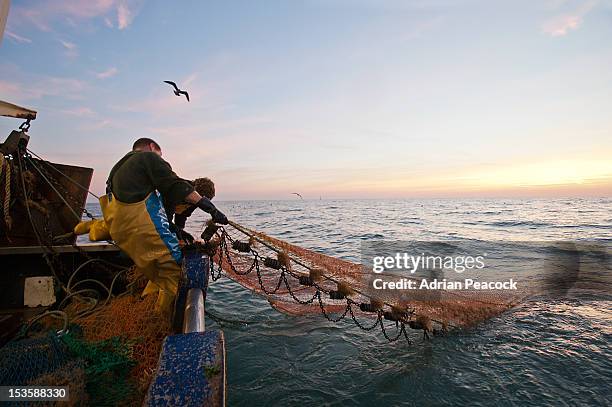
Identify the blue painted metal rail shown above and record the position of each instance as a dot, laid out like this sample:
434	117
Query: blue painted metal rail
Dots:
191	370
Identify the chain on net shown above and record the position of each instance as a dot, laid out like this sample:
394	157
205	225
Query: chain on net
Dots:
222	256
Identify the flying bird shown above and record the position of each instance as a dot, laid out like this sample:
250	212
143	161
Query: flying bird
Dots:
177	91
295	193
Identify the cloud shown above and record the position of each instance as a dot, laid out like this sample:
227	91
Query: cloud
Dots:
124	16
81	111
112	71
8	88
35	87
43	14
562	24
190	79
70	47
97	125
18	38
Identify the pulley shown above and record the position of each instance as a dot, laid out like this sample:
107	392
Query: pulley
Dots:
15	142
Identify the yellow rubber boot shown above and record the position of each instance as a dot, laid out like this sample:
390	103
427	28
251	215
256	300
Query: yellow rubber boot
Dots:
165	303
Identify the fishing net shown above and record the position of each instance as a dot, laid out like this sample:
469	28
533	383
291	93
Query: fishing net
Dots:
24	360
96	372
298	281
71	375
107	357
133	319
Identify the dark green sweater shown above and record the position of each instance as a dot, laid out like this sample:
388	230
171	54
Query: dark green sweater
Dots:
139	173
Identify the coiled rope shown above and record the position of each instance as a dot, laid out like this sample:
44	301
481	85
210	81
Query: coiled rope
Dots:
6	166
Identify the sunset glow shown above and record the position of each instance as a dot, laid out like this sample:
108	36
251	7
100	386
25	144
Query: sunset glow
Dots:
336	99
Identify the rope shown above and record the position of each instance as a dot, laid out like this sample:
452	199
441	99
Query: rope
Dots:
93	298
7	190
54	314
34	228
62	173
67	194
78	218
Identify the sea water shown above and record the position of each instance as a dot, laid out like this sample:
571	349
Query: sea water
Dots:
545	351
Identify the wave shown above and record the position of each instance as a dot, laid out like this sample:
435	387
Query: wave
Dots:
366	236
409	222
518	224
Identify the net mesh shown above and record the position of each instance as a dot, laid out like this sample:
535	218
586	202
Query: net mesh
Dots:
24	360
133	319
96	372
71	375
322	274
107	358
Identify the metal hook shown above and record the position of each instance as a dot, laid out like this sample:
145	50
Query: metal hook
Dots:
25	126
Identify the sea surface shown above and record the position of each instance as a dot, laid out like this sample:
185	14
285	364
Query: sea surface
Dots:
549	350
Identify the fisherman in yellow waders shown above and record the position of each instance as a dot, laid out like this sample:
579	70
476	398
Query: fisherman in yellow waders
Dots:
134	214
177	216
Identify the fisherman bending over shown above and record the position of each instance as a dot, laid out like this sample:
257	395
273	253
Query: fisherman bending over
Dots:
137	221
203	186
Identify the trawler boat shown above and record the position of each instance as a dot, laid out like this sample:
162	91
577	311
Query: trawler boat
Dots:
42	264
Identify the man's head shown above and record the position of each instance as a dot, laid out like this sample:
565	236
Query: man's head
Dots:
204	187
147	144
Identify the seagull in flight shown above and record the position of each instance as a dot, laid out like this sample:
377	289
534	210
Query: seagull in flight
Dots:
295	193
177	91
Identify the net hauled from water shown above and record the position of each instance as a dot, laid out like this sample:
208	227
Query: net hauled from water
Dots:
298	281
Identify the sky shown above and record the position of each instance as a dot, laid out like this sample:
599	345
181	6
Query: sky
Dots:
328	98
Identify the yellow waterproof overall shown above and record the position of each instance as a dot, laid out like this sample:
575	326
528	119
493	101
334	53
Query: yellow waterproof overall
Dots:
97	229
142	231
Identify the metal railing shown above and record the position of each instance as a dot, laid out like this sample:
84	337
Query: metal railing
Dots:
193	319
